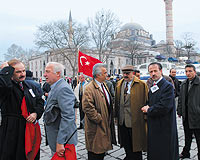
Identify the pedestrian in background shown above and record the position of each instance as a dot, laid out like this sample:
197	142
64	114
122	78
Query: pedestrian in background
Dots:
137	73
99	122
130	96
176	82
189	109
110	86
79	90
161	117
59	115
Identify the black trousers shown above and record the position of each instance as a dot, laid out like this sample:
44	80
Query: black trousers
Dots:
188	139
126	142
82	115
94	156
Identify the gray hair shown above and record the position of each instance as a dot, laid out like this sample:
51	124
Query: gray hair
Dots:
57	67
97	69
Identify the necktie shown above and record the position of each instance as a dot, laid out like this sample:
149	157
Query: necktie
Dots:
104	92
154	83
21	86
126	89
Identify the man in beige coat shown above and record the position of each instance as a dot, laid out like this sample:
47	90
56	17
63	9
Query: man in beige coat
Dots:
130	96
99	123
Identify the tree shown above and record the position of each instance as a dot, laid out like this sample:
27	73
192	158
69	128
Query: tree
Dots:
189	43
56	37
178	44
102	27
133	46
14	51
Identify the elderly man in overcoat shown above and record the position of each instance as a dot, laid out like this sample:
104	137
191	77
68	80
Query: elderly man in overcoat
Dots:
161	117
99	122
130	96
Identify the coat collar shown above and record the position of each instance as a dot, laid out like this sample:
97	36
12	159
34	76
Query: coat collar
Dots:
196	80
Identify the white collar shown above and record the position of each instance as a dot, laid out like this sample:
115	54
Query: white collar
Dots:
156	82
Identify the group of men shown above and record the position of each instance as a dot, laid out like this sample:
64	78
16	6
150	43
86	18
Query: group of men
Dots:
145	118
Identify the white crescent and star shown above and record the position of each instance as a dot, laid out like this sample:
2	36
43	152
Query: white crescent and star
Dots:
86	63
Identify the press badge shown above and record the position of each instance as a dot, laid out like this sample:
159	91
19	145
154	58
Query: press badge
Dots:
31	92
154	88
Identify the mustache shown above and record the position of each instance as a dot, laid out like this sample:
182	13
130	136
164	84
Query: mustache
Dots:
21	77
125	76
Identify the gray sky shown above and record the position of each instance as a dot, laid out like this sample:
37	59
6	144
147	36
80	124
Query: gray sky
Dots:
19	19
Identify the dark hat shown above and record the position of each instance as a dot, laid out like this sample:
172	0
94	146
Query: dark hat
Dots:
29	73
128	68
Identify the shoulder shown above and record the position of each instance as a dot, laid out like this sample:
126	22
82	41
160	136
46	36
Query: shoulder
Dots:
119	83
166	85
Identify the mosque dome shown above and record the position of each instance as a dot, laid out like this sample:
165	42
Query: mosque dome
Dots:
131	26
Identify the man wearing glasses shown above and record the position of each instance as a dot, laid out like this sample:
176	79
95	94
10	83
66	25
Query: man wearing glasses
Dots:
131	95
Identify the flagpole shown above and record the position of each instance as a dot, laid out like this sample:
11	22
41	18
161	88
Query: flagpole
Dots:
78	67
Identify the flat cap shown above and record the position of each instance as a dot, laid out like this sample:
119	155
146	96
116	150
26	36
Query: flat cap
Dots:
128	68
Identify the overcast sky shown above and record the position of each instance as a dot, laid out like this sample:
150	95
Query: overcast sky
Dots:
19	18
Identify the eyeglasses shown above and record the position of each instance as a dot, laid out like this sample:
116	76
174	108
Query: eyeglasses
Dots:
126	73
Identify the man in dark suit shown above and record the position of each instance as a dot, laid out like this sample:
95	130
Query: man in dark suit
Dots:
176	81
59	114
189	109
161	117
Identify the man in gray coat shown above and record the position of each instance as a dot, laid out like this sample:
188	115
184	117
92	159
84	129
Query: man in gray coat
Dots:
59	115
189	109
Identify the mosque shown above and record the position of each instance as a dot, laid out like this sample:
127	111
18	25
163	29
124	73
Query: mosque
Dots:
131	45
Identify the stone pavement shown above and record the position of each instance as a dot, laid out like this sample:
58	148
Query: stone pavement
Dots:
116	153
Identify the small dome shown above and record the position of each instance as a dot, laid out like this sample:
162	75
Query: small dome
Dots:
131	26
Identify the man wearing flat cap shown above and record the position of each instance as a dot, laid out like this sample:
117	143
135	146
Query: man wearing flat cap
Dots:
130	96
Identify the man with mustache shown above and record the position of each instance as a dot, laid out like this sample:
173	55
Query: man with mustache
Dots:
130	97
161	117
21	107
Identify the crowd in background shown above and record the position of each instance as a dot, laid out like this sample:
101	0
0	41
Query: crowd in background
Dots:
144	112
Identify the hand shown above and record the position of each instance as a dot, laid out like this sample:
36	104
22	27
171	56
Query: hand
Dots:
4	64
60	149
145	109
46	94
32	117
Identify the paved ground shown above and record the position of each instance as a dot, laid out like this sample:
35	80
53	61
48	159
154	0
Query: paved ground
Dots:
116	153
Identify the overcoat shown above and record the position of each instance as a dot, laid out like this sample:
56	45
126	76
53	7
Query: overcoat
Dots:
162	127
12	129
99	124
193	103
139	95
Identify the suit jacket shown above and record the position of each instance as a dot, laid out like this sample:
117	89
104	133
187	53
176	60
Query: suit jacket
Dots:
59	115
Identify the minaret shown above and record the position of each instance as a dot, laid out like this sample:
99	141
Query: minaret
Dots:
169	24
70	30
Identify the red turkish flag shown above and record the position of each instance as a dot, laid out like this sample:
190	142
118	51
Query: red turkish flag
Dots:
86	63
